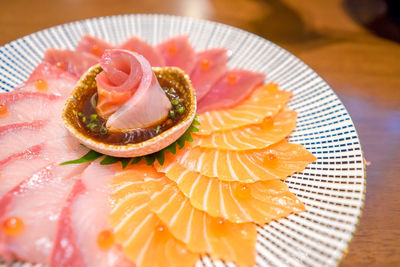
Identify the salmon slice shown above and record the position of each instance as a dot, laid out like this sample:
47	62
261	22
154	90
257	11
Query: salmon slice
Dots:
202	233
230	89
74	62
210	65
265	101
255	136
49	79
139	46
22	165
277	161
259	202
37	202
142	235
83	220
20	136
30	106
93	45
178	52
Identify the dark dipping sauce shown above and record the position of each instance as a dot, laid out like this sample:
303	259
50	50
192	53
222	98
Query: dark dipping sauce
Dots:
94	125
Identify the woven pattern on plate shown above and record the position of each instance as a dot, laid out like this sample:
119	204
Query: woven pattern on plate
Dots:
332	188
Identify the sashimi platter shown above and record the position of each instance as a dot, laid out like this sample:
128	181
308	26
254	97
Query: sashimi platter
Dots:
156	141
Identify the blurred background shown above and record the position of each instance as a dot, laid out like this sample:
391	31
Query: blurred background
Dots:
352	44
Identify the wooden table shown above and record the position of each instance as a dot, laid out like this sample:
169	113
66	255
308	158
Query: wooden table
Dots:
362	68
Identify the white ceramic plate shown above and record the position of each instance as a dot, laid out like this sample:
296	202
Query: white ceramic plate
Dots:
332	188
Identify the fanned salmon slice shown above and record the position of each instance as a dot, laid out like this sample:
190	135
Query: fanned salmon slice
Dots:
83	220
37	202
30	106
277	161
265	101
142	235
256	136
202	233
259	202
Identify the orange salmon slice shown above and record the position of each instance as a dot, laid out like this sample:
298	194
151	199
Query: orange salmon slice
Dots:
277	161
142	235
259	202
255	136
265	101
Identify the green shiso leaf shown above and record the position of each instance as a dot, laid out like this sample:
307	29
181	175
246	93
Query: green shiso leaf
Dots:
150	159
88	157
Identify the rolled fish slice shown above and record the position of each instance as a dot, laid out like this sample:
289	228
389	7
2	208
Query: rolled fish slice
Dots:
84	220
277	161
178	52
134	223
259	202
152	54
255	136
265	101
230	89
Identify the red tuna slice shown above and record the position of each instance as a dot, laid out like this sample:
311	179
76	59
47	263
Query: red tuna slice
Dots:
178	52
210	65
128	91
83	219
139	46
93	45
49	79
37	201
231	88
21	165
30	106
74	62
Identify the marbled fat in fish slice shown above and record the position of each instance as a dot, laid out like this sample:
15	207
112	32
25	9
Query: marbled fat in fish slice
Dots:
178	52
265	101
84	221
152	54
259	202
277	161
254	136
210	65
145	240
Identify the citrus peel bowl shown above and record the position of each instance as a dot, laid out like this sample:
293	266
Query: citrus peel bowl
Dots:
86	87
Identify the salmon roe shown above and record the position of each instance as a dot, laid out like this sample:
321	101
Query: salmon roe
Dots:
205	64
243	191
61	65
218	227
3	111
231	78
41	85
172	49
105	239
13	226
161	233
96	50
271	160
268	123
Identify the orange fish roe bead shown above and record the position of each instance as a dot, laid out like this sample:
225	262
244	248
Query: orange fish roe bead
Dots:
268	123
3	111
41	85
61	65
172	49
232	78
105	239
271	160
13	226
95	50
242	191
205	64
161	233
218	227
